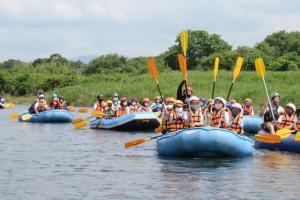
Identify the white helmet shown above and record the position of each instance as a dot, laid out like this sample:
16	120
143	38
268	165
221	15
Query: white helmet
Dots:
274	94
292	106
194	98
221	99
237	105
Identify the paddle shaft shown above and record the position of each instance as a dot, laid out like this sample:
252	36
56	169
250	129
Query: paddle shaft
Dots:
159	92
229	91
268	97
213	90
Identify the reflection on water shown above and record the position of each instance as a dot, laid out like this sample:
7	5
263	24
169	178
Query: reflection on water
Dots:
44	161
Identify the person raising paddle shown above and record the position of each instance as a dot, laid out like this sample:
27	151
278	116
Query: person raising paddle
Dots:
267	113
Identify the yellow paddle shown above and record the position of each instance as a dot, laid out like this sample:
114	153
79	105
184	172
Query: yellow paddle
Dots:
71	107
154	74
261	71
82	110
81	122
184	37
216	68
183	69
139	141
236	72
274	138
26	117
297	136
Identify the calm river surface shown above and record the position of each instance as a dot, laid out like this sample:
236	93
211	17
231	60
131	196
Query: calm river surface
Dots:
55	161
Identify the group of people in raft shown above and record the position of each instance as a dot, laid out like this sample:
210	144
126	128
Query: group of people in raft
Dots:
189	111
40	104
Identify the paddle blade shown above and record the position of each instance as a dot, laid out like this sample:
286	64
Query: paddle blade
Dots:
260	67
98	114
182	65
81	124
136	142
284	133
13	116
297	136
26	117
78	120
268	138
237	68
152	68
82	110
71	108
216	68
184	38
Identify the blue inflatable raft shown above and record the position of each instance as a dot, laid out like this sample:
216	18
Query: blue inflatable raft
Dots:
138	121
49	116
252	124
204	142
288	144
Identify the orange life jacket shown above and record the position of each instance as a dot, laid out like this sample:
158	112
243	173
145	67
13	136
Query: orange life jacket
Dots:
146	109
100	107
166	124
133	108
177	123
248	111
235	125
217	116
121	112
54	104
62	105
42	106
287	120
196	116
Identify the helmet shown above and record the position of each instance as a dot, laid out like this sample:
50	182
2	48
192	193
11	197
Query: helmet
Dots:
232	101
274	94
178	102
146	100
210	101
123	99
237	105
54	95
157	98
109	102
132	100
291	105
115	95
170	99
203	99
221	99
100	97
229	105
194	98
41	96
189	88
248	100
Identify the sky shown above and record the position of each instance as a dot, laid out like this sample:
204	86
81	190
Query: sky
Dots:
37	28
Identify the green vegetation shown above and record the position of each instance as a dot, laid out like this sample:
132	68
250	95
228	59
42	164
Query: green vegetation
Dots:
80	83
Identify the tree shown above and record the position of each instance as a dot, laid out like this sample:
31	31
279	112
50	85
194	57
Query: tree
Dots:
110	61
201	44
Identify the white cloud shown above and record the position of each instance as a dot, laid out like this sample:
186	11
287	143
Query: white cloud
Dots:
34	28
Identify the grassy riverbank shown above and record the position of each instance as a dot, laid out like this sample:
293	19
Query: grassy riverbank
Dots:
248	85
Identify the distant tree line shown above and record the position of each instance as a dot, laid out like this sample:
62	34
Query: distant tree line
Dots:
280	51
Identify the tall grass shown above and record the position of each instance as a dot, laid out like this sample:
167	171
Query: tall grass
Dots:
247	85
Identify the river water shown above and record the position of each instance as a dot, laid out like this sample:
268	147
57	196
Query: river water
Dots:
55	161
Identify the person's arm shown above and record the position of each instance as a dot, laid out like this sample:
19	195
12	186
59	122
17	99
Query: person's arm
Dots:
179	91
35	107
226	118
